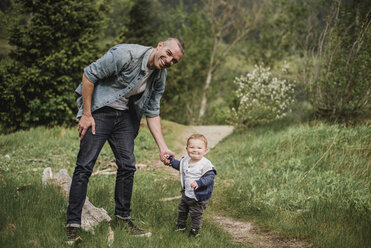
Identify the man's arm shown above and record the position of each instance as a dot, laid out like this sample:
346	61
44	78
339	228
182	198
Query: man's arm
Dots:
86	119
154	125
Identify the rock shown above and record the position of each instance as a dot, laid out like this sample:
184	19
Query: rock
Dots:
140	166
91	215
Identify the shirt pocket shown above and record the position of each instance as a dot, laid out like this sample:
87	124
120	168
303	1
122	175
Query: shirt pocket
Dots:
127	76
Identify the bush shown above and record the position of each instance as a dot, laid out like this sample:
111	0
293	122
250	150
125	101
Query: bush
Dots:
262	98
217	113
53	41
338	77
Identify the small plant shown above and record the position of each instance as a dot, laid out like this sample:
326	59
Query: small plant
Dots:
262	97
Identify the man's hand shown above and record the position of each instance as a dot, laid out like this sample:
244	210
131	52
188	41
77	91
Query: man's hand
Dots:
194	185
85	122
164	156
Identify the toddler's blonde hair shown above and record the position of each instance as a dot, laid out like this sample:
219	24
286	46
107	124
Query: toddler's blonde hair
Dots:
199	137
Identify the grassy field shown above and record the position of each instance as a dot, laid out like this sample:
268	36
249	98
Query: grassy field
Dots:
33	215
308	182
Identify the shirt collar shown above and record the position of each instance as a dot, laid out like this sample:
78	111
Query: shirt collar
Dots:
145	59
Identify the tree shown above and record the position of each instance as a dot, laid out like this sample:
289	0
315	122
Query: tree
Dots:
289	28
180	101
338	79
5	7
230	22
143	24
42	71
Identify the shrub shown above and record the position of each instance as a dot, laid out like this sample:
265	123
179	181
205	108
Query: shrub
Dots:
53	41
262	97
338	77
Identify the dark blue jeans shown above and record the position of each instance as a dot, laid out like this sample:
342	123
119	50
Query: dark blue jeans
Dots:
120	129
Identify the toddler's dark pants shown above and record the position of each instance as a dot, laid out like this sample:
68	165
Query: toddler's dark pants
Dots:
194	208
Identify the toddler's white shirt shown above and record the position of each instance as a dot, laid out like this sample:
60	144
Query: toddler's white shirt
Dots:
191	173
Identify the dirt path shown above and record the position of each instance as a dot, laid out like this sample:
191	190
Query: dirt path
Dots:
245	232
241	231
213	134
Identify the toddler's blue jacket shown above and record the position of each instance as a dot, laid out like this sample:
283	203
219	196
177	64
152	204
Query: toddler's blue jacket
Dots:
205	183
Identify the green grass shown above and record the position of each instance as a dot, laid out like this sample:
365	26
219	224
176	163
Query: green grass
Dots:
33	215
308	182
311	182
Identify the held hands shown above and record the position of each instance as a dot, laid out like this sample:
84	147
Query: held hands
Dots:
85	122
164	156
194	185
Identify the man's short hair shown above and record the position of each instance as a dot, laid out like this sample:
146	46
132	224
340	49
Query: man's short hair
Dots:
178	41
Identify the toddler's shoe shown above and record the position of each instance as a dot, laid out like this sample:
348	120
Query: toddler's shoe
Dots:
194	233
180	228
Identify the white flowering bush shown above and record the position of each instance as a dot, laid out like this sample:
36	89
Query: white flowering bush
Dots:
262	97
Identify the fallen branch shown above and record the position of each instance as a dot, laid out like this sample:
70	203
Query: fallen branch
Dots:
38	160
112	171
170	198
108	171
111	237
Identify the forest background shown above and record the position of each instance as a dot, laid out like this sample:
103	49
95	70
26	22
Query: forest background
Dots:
247	63
323	46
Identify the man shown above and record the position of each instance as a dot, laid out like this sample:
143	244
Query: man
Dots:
116	91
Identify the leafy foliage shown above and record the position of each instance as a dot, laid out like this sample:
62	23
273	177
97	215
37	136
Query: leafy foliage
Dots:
229	23
262	98
183	92
143	24
53	40
39	76
289	27
338	80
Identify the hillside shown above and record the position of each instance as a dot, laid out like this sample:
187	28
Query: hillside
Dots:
306	182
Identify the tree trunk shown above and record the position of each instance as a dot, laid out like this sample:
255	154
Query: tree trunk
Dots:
204	95
208	81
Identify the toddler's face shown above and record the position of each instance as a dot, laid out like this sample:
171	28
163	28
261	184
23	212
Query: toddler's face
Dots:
196	149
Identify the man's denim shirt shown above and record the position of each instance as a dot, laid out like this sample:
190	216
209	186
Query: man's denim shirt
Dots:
118	71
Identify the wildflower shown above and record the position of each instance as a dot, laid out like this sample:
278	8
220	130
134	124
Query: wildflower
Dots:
262	97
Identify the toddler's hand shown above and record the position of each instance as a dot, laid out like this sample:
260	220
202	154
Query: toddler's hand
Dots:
194	185
164	156
165	159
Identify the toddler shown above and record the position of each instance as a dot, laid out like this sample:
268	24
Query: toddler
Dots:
197	179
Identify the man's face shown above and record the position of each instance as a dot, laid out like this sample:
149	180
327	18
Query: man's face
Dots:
167	54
